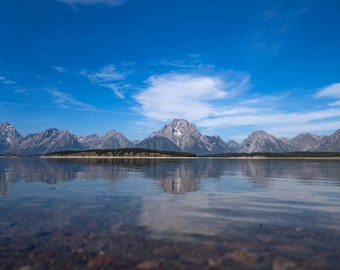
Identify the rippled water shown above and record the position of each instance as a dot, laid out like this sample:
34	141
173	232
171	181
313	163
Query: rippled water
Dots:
169	214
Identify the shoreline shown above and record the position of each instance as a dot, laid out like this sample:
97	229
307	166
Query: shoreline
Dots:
113	157
199	157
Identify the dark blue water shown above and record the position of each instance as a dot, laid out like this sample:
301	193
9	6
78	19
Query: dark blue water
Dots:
169	214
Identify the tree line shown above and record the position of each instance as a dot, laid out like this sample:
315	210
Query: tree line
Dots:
122	152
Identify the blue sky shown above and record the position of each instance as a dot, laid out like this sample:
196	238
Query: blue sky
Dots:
230	67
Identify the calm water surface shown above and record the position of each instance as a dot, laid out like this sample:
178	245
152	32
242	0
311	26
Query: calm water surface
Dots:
169	214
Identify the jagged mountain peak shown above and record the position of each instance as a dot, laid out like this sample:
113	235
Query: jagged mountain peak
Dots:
7	128
92	136
176	122
305	142
4	124
261	141
186	137
178	129
260	133
112	133
331	143
9	137
49	140
112	139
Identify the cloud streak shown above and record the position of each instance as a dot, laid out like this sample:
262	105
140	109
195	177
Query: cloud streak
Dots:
65	100
93	2
115	88
330	91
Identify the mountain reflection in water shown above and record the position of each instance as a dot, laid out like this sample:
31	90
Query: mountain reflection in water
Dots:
172	175
195	213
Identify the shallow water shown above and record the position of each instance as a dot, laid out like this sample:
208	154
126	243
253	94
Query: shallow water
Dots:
169	214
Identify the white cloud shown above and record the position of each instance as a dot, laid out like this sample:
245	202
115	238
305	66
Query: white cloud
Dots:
268	117
65	100
188	96
332	91
335	103
93	2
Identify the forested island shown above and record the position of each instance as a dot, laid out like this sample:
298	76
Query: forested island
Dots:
122	152
145	153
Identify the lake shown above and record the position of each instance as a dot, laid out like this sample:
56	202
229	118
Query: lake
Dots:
194	213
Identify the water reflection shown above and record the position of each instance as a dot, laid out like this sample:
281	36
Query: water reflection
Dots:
55	171
169	213
298	194
171	175
305	170
182	176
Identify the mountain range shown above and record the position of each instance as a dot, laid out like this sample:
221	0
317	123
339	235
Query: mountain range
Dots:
179	135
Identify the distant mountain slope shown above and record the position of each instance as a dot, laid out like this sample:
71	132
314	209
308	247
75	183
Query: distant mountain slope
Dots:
110	140
330	143
306	141
235	147
49	140
158	143
261	141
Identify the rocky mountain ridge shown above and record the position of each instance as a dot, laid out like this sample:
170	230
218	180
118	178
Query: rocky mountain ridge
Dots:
261	141
179	135
305	141
110	140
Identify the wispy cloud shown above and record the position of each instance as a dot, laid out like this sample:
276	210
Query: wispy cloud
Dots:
188	63
93	2
59	69
21	91
332	91
6	81
13	85
283	124
108	77
84	108
65	100
106	74
115	88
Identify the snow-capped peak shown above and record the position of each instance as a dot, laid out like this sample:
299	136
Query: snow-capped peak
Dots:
177	131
